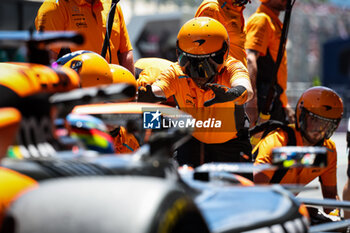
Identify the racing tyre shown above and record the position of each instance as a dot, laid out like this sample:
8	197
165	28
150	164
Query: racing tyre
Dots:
105	205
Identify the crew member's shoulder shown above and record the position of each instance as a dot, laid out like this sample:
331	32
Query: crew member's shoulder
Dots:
52	4
279	133
209	8
259	18
232	62
275	138
174	70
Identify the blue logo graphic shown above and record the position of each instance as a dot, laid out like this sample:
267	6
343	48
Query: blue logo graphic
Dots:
151	120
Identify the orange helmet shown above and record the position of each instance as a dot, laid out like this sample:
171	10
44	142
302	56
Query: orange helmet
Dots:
202	48
93	69
27	79
122	75
322	103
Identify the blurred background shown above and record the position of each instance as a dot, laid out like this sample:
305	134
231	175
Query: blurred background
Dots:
318	41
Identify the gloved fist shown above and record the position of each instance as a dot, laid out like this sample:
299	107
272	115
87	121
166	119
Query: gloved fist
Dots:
145	94
224	94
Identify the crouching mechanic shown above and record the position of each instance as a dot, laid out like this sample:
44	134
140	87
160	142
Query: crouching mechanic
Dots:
207	83
318	113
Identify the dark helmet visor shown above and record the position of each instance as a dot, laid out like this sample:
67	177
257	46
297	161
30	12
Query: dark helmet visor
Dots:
201	66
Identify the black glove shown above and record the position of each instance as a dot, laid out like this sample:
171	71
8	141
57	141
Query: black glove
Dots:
225	94
145	94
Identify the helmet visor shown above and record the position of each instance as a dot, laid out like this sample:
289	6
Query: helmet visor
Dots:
317	125
202	66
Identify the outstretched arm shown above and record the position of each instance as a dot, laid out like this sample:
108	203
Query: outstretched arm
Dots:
240	92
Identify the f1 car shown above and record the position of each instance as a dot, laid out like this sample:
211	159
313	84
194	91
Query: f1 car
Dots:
144	187
144	191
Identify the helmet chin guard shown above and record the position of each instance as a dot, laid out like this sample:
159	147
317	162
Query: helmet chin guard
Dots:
202	66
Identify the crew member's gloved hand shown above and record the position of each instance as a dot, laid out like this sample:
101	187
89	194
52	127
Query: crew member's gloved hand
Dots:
145	94
224	94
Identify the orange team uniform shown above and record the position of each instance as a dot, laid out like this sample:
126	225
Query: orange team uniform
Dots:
125	142
232	18
263	31
12	184
148	69
80	16
190	98
279	138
